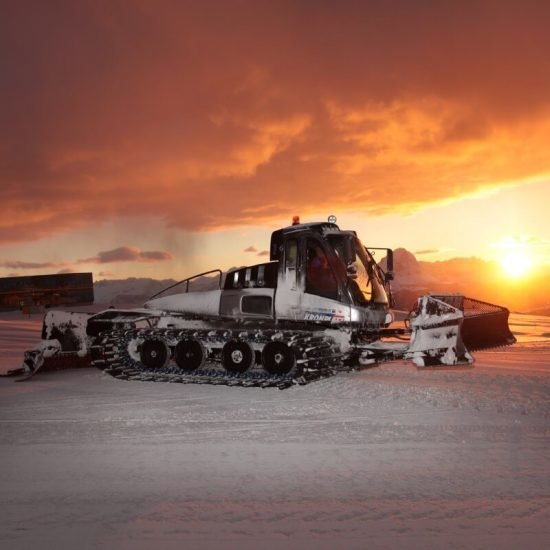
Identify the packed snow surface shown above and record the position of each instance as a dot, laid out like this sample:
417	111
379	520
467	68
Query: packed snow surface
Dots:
387	457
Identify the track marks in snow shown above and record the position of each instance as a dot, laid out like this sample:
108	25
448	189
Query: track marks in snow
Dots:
346	523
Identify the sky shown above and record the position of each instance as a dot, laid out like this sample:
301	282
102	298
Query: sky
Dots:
162	139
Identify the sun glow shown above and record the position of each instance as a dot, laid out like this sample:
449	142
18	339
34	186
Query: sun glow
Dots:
516	264
515	259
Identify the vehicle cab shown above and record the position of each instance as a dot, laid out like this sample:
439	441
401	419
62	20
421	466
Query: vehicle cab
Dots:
326	275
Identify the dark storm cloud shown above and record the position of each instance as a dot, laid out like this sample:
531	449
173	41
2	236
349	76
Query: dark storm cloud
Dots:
15	264
128	254
121	254
214	114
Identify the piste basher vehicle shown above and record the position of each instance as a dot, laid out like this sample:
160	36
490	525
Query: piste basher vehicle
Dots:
322	304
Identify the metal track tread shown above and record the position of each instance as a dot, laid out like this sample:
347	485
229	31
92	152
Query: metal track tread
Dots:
317	356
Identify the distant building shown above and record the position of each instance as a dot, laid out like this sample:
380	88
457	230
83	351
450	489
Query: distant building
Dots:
46	290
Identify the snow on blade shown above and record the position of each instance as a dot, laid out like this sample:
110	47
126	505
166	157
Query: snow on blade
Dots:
436	338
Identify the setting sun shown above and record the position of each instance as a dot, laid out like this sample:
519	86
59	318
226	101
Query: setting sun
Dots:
516	263
516	260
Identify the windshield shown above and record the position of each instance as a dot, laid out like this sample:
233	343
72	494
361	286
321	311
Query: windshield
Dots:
369	285
363	276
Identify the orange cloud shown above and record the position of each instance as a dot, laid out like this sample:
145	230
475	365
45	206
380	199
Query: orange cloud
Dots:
163	111
427	251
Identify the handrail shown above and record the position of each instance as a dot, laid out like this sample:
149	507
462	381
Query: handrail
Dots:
187	281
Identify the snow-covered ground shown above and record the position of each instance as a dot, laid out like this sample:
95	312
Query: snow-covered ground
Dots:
389	457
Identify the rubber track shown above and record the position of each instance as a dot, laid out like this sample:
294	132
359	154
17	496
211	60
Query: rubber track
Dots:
317	356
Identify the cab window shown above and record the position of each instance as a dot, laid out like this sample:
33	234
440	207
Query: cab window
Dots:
320	279
291	260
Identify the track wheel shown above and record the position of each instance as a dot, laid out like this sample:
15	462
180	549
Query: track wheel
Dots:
237	356
189	354
278	358
154	354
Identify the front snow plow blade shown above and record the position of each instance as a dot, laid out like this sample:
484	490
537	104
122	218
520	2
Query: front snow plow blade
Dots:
484	326
445	328
436	337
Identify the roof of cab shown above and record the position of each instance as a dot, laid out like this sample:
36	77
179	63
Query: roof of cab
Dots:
316	227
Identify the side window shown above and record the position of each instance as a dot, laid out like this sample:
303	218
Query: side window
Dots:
291	260
320	279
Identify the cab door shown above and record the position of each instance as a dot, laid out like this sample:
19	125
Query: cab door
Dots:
307	287
324	300
289	292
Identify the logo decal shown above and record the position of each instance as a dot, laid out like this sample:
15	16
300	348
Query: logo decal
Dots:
318	316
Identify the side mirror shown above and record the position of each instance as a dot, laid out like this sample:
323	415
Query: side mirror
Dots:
351	271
